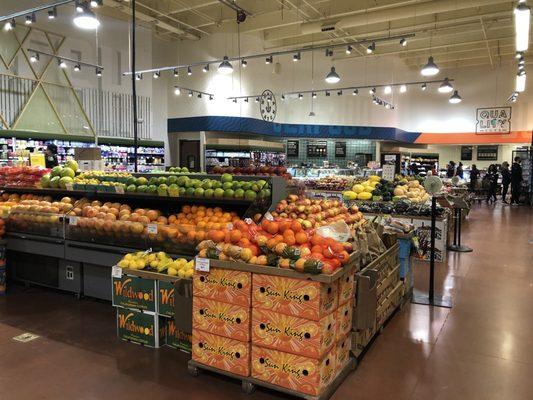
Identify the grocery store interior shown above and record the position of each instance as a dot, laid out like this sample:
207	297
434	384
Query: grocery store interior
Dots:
266	199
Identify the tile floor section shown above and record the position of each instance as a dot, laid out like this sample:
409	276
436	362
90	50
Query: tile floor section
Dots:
481	349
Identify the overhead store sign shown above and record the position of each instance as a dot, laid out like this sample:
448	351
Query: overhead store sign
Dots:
493	120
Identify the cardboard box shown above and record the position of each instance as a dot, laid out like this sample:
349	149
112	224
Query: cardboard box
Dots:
225	285
165	298
219	318
87	153
297	297
344	316
342	350
298	373
131	291
294	335
347	287
176	338
221	352
140	327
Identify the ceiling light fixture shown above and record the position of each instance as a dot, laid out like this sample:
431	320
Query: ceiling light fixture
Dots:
98	72
328	94
190	93
313	95
300	96
61	63
77	68
257	99
10	25
282	97
177	91
455	98
403	88
199	95
446	86
329	53
205	68
297	57
372	91
246	100
519	54
96	3
52	14
34	57
79	7
520	82
312	114
424	87
371	48
234	100
211	97
430	69
387	89
189	71
332	77
269	60
225	66
176	72
339	93
156	74
521	61
355	92
244	63
403	42
349	50
138	77
86	20
30	19
521	20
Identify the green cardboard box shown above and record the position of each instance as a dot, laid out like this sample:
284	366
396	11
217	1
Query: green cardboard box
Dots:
165	298
147	329
177	338
131	291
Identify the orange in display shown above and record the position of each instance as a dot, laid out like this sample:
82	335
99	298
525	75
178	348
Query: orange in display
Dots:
298	373
221	352
292	334
221	318
297	297
344	316
347	287
223	285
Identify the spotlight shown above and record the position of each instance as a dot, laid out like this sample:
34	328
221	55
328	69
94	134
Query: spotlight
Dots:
235	100
387	89
313	95
96	3
269	60
430	68
86	20
349	50
30	19
446	86
257	99
455	98
225	66
246	100
333	77
138	77
176	72
34	57
387	106
300	96
371	48
519	54
339	93
328	94
61	63
199	95
10	25
403	89
297	57
52	14
210	97
189	70
372	91
190	93
355	92
177	91
520	82
77	68
79	7
206	68
521	61
329	53
244	63
403	42
98	72
156	74
282	97
312	114
424	87
521	68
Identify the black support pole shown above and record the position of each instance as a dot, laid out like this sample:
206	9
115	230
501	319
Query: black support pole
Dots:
134	85
431	293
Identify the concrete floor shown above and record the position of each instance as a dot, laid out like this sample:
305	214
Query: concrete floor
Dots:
481	349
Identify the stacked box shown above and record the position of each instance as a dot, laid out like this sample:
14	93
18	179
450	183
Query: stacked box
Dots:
134	292
140	327
176	338
221	319
344	316
165	298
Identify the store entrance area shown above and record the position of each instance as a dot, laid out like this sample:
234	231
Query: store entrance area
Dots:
480	349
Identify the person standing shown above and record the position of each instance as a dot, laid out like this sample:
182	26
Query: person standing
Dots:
50	156
516	180
506	180
474	176
459	170
450	170
492	176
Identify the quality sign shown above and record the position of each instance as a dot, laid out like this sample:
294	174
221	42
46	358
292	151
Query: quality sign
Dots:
493	120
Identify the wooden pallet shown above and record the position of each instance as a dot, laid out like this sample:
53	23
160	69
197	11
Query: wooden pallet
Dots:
249	384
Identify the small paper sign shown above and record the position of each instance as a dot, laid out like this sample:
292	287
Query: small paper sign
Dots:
248	221
119	189
69	186
116	272
269	216
201	264
152	228
73	220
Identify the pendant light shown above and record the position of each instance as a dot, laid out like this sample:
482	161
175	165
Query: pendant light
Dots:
387	89
86	20
455	99
225	66
333	77
446	86
521	20
430	69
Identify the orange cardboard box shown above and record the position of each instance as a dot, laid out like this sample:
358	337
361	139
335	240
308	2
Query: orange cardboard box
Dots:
225	285
294	335
344	316
298	373
347	286
298	297
221	318
221	352
342	350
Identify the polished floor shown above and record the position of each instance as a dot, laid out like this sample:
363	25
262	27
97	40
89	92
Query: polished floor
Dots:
481	349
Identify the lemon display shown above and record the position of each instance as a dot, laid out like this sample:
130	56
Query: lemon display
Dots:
158	262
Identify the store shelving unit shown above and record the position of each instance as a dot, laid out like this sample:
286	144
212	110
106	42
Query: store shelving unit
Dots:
242	158
424	162
526	154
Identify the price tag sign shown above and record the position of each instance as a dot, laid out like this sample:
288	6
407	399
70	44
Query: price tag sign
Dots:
119	189
201	264
116	272
248	221
69	186
152	228
269	216
73	220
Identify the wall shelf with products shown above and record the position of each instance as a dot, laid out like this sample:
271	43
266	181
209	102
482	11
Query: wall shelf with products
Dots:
242	159
424	162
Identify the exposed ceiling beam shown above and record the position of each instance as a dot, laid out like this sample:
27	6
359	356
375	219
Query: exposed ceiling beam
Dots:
165	15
